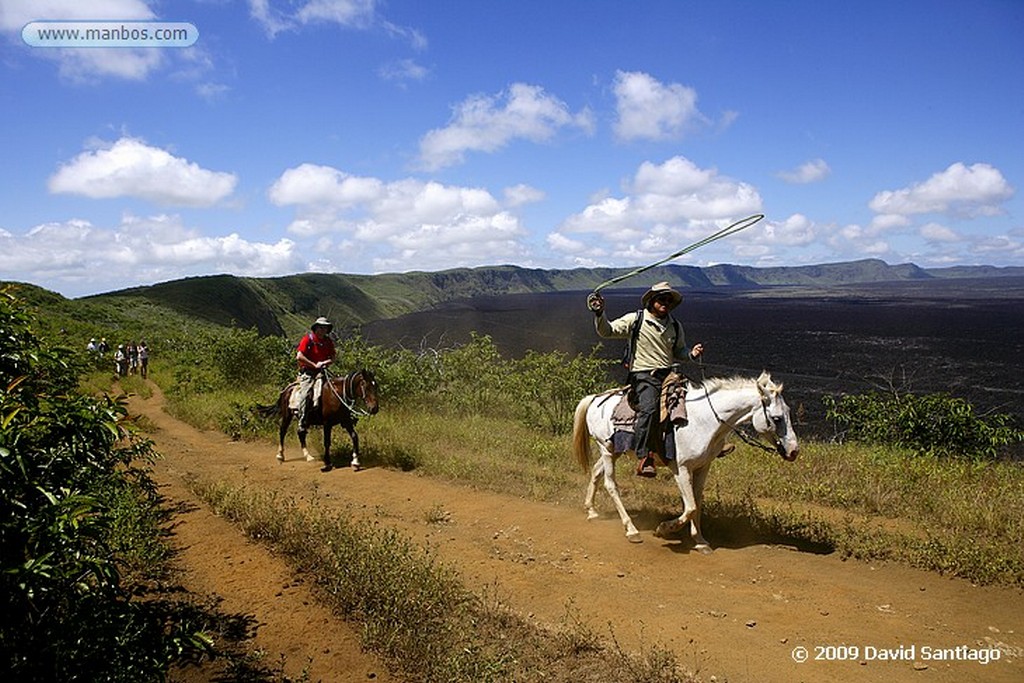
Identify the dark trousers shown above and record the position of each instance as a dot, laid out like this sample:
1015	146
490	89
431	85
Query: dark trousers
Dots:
646	432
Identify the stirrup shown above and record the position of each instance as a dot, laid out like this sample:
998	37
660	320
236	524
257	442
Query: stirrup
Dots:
645	468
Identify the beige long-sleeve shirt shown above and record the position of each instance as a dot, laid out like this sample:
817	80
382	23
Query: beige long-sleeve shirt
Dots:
657	346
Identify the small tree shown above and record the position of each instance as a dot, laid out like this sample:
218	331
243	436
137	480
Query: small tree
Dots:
547	386
474	378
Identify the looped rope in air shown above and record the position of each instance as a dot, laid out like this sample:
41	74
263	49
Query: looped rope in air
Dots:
741	224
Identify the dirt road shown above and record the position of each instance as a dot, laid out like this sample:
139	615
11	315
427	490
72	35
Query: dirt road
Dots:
740	614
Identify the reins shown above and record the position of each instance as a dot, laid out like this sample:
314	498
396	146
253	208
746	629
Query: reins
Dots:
346	388
743	436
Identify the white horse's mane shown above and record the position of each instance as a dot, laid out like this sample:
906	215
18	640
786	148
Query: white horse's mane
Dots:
713	384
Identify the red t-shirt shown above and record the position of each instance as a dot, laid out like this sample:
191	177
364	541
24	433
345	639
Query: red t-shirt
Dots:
315	350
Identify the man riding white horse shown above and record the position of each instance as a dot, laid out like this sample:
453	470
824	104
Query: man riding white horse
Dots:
315	352
657	342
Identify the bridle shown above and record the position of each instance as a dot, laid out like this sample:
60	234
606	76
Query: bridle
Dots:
772	422
348	387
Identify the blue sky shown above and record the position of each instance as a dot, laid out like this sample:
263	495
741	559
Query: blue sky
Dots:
358	136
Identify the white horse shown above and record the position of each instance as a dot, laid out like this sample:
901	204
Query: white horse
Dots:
713	412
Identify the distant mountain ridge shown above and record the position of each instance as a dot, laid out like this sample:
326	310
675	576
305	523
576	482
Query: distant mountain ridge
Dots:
285	305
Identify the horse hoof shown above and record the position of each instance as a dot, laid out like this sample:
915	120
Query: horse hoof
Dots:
592	514
634	538
310	458
327	468
705	549
280	458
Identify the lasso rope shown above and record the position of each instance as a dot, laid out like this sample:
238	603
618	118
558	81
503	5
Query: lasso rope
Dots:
736	227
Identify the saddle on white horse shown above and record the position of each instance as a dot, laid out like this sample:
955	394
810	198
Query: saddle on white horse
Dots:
672	404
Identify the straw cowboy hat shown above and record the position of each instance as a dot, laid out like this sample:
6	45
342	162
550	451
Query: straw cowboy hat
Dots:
322	322
658	290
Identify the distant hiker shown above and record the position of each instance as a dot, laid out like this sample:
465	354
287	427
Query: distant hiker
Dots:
143	359
656	344
315	352
103	346
133	357
92	346
121	361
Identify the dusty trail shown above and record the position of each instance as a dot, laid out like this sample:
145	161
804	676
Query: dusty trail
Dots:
737	615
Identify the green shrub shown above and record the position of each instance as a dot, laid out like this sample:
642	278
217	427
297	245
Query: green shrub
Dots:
402	375
933	424
230	359
474	378
70	495
547	386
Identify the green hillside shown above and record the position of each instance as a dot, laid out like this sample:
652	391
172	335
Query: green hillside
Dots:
285	305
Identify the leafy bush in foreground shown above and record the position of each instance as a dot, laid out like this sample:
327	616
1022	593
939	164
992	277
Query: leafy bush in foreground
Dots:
933	424
66	476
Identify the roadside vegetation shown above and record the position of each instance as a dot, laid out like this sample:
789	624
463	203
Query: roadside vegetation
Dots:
83	530
921	480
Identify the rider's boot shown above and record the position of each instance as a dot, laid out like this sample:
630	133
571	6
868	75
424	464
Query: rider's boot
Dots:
645	467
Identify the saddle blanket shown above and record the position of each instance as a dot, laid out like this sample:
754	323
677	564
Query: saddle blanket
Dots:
623	441
293	398
673	412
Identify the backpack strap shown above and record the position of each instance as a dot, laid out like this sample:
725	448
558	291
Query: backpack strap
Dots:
634	334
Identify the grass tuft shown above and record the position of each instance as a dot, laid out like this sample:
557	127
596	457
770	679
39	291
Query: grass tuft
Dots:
414	611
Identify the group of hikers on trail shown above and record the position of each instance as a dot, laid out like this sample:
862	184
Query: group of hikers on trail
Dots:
656	346
128	358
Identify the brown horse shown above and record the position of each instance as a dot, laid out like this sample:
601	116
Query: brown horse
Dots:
337	406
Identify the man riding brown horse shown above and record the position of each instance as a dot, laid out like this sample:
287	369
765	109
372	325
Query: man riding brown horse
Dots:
314	353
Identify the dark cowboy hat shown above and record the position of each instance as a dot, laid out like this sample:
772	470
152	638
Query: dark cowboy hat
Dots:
322	322
658	290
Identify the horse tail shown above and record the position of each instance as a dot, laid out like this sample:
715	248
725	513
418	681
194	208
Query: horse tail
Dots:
581	433
274	409
266	411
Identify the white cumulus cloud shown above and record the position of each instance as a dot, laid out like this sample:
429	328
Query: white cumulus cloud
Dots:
484	123
649	109
407	223
82	258
976	190
665	207
85	65
808	172
131	168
